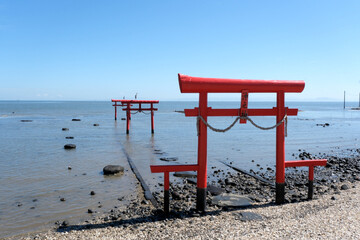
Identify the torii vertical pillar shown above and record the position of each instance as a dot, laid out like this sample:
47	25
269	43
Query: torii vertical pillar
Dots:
280	149
202	154
152	118
115	111
128	118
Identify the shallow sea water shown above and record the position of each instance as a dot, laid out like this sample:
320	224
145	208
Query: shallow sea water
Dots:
34	165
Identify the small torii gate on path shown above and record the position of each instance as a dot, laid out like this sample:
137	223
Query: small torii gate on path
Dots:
203	86
129	106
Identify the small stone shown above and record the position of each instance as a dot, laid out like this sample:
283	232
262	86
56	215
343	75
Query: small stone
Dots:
70	146
169	159
75	120
69	168
65	129
69	137
62	199
32	208
333	198
123	119
92	193
230	181
96	124
90	211
176	196
26	120
65	223
344	187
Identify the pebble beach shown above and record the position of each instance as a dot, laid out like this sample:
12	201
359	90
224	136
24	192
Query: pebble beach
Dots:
329	217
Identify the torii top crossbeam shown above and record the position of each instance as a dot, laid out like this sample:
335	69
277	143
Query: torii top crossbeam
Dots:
129	106
190	84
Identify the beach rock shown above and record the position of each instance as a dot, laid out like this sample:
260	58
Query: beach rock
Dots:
230	181
113	169
92	193
175	196
231	200
96	124
215	190
248	216
76	120
69	137
65	129
90	211
70	146
344	187
185	174
169	159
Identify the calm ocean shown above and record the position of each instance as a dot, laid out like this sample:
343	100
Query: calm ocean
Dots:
34	171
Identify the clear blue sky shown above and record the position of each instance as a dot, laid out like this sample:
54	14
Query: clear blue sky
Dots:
98	50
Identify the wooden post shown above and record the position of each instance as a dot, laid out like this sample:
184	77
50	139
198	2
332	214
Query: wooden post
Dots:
166	192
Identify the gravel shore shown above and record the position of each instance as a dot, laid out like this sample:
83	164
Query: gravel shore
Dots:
328	217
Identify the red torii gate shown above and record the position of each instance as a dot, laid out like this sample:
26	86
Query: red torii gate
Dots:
128	104
203	86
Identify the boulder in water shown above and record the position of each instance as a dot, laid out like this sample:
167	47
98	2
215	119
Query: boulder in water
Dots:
113	169
70	146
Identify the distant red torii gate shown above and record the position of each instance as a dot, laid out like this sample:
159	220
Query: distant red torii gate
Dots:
203	86
128	104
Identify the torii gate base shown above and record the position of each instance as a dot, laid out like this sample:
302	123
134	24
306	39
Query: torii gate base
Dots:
128	104
203	86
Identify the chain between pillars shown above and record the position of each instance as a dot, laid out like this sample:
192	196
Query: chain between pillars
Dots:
233	124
